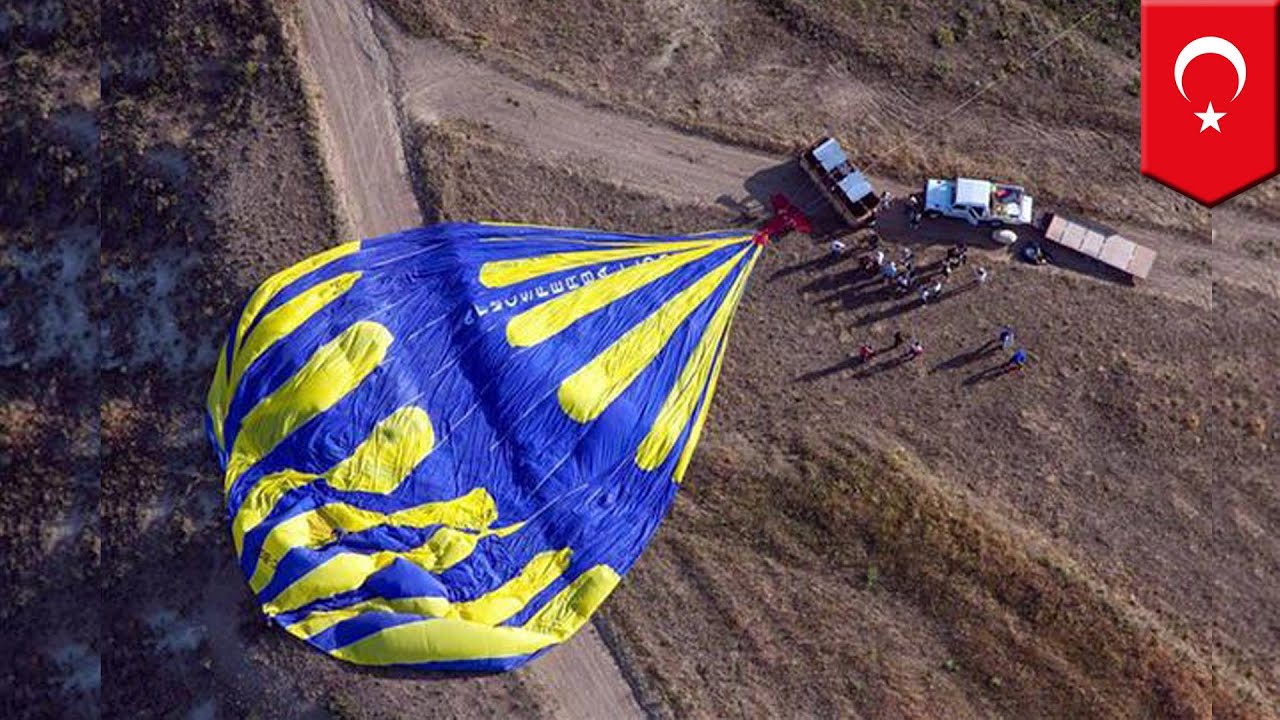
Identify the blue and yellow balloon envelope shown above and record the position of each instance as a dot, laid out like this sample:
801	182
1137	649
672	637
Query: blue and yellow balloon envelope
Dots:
443	448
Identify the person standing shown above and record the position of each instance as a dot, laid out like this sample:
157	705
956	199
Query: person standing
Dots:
866	352
916	349
1019	359
837	248
913	205
889	270
1005	337
981	275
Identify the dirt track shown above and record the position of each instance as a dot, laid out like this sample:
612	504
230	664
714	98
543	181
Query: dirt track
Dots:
375	76
366	158
438	83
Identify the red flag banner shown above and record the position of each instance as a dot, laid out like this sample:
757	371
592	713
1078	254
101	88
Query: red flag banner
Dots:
1209	95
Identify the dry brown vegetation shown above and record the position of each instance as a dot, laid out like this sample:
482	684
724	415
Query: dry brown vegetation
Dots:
49	542
163	164
213	179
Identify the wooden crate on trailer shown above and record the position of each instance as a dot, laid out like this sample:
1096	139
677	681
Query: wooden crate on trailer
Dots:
1107	247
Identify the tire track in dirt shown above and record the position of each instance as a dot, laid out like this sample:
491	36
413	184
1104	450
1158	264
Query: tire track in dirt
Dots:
359	126
363	145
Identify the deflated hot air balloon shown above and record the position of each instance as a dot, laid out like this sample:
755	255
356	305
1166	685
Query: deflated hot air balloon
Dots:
444	447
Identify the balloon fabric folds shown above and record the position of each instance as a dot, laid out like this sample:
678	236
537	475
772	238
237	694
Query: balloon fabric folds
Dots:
444	447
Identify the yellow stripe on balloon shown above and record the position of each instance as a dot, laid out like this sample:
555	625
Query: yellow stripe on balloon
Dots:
330	374
215	400
321	620
383	460
501	273
589	391
489	609
686	455
274	284
683	397
274	326
573	606
379	464
542	322
448	639
311	529
348	570
261	500
441	640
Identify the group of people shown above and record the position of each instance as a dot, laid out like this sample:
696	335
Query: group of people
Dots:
902	273
1019	356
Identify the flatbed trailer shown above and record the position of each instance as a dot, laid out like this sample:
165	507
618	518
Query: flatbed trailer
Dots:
842	184
1108	247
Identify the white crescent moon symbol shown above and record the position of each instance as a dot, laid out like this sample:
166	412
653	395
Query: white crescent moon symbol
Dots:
1209	46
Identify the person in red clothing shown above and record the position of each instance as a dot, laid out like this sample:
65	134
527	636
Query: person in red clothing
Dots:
866	352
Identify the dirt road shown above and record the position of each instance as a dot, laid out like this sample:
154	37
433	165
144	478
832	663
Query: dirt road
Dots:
438	83
361	135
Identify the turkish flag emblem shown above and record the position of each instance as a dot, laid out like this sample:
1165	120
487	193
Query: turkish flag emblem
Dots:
1209	95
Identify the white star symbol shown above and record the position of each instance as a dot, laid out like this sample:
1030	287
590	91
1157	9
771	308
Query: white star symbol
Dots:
1209	118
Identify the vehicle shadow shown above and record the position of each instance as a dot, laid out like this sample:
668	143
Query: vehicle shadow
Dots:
1068	259
790	179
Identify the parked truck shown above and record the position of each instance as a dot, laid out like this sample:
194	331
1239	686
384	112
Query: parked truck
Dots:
842	184
978	202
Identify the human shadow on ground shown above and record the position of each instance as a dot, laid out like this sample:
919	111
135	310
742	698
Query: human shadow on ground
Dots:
822	262
992	373
867	369
964	358
852	279
857	296
896	310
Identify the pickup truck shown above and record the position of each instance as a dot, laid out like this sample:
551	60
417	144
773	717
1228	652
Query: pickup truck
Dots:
978	202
